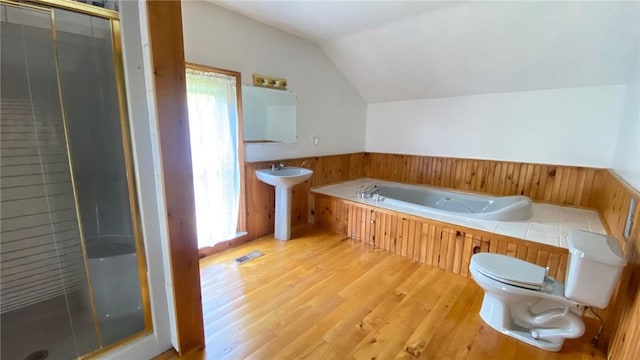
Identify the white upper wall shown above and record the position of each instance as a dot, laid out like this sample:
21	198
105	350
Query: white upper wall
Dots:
489	47
546	82
627	156
328	105
573	126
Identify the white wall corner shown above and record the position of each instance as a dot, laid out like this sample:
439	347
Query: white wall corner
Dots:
626	162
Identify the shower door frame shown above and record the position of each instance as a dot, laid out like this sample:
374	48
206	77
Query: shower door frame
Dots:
116	43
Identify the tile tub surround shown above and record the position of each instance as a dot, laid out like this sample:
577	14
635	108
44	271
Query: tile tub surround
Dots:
549	224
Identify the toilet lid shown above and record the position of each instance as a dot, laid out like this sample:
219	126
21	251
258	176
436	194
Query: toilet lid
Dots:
509	270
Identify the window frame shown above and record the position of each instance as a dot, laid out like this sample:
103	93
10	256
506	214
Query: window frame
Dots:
242	213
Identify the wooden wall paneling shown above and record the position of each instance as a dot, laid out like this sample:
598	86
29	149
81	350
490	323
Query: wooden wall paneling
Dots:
260	197
534	186
356	217
437	244
456	254
521	252
614	204
417	236
362	224
467	252
388	224
511	249
393	234
165	37
542	258
446	246
622	317
378	231
401	236
447	249
565	185
411	238
370	227
357	165
532	255
554	263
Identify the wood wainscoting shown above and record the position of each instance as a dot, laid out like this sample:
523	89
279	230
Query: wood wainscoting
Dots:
622	317
446	246
564	185
260	198
260	204
450	247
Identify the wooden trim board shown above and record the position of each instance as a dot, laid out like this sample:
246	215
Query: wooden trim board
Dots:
167	51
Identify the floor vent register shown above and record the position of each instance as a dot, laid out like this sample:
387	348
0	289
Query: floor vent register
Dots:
252	255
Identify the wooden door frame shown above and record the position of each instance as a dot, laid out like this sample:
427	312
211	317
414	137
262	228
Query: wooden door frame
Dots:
168	64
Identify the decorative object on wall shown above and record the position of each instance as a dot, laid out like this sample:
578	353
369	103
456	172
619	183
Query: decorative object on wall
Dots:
269	82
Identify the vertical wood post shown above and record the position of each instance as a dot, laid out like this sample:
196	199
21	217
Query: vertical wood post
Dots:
167	51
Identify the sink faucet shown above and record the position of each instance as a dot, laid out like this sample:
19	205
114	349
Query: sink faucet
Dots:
278	167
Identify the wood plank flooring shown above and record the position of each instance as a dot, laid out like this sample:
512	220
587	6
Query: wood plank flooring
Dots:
321	296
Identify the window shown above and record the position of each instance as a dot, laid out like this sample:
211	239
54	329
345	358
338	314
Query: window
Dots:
215	144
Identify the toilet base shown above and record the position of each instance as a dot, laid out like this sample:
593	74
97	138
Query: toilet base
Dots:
496	314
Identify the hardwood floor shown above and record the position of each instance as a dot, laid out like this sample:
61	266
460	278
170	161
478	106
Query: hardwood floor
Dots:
321	296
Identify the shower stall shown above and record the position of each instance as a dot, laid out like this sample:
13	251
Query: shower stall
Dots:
72	265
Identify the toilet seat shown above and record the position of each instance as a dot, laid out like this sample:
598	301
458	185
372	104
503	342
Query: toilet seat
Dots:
510	271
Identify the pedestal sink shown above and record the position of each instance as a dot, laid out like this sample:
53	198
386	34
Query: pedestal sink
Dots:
283	179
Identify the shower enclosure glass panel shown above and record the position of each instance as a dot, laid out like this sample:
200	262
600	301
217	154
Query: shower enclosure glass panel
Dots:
44	288
72	264
92	111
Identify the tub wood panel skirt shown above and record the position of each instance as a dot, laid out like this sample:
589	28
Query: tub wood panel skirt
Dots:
443	245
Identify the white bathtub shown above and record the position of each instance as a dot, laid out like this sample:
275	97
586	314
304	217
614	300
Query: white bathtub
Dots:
549	224
498	208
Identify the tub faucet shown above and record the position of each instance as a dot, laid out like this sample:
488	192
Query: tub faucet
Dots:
370	191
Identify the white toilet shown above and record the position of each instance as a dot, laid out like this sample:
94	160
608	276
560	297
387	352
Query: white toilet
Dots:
521	301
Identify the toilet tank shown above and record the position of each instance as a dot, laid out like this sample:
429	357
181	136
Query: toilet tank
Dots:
595	265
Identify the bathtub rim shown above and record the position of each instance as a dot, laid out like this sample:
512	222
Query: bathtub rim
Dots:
488	226
493	215
409	207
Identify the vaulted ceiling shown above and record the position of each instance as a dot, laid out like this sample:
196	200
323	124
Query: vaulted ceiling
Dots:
401	50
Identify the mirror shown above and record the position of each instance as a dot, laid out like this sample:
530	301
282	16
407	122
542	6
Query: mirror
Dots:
268	115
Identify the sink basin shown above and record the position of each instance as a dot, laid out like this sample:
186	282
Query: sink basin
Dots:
287	177
283	179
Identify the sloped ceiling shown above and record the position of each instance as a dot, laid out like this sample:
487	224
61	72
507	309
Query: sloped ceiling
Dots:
398	50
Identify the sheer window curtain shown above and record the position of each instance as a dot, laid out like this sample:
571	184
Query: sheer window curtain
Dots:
216	174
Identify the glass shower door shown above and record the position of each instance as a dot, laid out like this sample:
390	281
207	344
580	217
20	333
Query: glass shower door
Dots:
72	264
46	307
96	132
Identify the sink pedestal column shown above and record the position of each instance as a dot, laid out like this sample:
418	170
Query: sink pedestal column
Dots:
283	178
283	213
